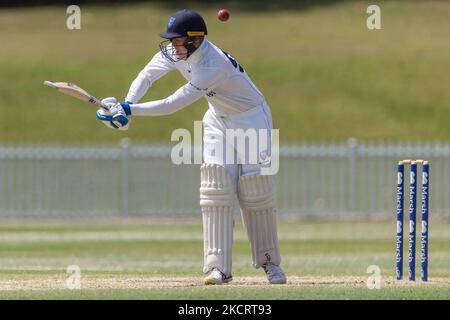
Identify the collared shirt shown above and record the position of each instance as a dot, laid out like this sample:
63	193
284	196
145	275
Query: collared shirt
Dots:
210	72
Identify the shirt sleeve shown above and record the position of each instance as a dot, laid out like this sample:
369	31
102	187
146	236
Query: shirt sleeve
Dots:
155	69
184	96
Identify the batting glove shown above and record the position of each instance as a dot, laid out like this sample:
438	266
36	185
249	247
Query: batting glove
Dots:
120	115
117	117
105	116
109	102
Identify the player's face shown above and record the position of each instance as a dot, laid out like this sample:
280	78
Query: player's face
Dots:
178	45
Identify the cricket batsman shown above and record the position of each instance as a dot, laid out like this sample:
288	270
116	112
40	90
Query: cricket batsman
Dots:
234	103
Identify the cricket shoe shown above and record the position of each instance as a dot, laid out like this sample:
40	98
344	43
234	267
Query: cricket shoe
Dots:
274	273
217	277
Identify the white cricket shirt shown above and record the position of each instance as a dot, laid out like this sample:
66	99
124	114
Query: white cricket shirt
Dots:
210	72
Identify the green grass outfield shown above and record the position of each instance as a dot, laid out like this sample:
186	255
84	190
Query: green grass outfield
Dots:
156	259
325	75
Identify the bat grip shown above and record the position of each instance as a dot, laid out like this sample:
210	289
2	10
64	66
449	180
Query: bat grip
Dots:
100	104
103	106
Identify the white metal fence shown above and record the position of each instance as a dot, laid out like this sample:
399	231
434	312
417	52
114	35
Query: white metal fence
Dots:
315	181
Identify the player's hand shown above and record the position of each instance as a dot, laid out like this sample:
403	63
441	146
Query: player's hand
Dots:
109	102
118	115
121	113
104	116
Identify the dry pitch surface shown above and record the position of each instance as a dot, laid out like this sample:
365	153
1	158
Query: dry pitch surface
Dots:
96	282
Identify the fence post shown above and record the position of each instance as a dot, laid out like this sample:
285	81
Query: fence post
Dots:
352	144
125	155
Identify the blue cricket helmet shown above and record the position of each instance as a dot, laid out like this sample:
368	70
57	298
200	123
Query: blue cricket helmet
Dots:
185	23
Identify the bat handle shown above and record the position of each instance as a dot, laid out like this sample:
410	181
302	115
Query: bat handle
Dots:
103	106
99	103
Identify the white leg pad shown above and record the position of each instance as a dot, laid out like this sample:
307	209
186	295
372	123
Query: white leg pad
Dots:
257	200
216	202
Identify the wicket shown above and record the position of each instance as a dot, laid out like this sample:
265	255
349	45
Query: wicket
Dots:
412	219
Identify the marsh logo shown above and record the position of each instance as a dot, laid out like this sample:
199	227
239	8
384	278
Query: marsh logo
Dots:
171	21
399	178
424	227
411	226
413	178
424	178
399	226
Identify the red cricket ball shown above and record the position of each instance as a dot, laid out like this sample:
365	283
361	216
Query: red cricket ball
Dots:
223	14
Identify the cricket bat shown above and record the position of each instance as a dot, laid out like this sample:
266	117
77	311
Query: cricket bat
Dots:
75	91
